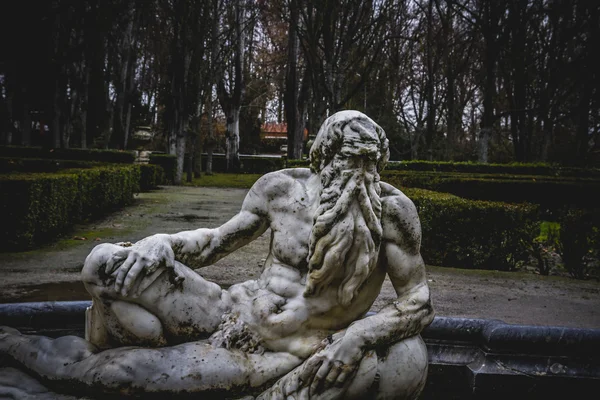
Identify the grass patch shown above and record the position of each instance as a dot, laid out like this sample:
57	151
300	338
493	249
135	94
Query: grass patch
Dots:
222	180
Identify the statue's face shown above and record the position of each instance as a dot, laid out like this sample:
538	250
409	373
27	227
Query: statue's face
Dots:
354	162
359	152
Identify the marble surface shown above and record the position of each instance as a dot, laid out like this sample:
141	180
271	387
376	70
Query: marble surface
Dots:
298	331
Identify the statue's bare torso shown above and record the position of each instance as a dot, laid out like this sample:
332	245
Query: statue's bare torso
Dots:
275	305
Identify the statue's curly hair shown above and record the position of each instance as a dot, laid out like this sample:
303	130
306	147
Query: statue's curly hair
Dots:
333	136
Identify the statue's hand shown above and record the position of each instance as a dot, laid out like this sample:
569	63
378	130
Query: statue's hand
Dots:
332	366
142	260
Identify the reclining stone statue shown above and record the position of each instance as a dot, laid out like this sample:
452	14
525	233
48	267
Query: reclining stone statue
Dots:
299	331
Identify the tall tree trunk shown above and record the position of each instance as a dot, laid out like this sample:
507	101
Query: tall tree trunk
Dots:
589	80
26	119
71	115
489	88
108	124
232	102
213	76
301	115
58	69
452	120
85	90
127	125
196	140
180	153
583	124
56	115
232	136
9	117
293	107
118	136
210	140
519	83
197	155
430	88
96	115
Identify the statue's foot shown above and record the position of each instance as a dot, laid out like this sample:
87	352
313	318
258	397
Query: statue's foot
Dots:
16	384
6	338
53	358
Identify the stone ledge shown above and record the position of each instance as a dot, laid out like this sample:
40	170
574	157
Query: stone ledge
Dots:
468	358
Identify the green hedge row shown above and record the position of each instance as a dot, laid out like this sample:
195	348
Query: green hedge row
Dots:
551	193
151	176
538	169
168	163
579	242
35	208
250	164
297	164
466	233
12	164
107	156
541	169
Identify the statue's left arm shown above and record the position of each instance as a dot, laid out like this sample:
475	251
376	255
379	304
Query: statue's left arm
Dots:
407	316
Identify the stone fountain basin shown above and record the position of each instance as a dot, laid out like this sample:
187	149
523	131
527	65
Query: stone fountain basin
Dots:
468	358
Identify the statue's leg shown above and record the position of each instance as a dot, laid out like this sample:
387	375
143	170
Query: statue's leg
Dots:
165	312
71	362
43	355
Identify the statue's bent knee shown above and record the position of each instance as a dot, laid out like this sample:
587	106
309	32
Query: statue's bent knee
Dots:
94	268
403	369
122	323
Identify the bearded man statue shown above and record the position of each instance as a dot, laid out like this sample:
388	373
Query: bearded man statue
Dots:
299	331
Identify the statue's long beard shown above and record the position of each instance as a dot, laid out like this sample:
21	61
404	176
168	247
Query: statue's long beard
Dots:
346	234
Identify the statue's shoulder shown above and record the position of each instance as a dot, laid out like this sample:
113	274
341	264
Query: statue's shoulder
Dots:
394	197
298	174
281	181
400	219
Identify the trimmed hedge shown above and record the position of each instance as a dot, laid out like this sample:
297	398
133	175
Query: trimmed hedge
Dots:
549	192
107	156
298	164
250	164
11	165
168	163
579	242
538	169
260	165
541	169
37	207
466	233
151	176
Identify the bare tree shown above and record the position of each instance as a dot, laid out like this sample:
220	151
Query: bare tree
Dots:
296	88
231	86
340	41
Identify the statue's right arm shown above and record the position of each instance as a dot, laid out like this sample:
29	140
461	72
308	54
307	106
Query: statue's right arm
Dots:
202	247
195	248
